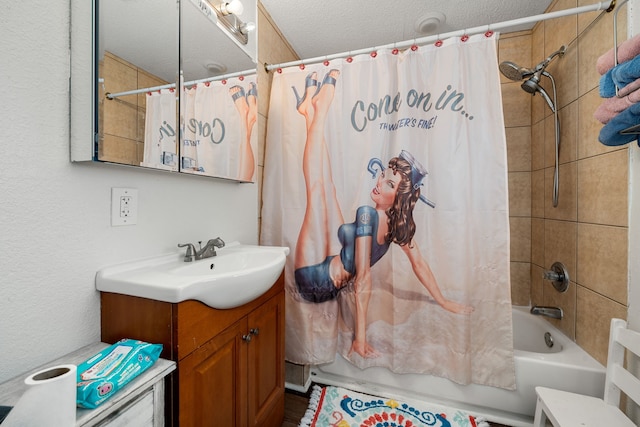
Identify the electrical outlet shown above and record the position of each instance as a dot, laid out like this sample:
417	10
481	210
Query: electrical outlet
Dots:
124	206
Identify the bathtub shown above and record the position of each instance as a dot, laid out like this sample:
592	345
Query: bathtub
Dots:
564	366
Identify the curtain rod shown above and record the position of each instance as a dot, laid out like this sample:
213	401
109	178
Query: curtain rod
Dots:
606	5
173	85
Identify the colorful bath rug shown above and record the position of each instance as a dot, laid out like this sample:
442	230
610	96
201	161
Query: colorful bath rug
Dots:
338	407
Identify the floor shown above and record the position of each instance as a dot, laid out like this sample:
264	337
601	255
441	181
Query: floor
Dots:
295	405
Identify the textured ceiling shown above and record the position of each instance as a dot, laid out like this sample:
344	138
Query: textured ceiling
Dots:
317	28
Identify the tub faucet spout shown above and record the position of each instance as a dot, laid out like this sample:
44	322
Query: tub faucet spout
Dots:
553	312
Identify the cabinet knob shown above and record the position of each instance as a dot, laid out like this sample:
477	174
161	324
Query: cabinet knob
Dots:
254	331
246	338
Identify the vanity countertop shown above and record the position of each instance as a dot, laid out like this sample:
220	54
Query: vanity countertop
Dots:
11	390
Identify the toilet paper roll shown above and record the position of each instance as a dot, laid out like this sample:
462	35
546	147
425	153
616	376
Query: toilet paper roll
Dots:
50	399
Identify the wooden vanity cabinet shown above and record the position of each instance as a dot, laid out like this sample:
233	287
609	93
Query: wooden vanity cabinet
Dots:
230	362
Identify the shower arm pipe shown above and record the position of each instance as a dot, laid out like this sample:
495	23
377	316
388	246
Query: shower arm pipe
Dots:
606	5
173	85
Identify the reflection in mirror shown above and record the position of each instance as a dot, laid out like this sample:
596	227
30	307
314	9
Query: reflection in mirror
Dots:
218	106
138	63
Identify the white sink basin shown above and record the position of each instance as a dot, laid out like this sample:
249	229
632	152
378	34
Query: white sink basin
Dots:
237	275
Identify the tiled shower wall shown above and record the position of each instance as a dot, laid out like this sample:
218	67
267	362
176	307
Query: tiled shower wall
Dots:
588	230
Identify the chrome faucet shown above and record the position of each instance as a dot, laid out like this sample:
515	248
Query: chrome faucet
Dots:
553	312
208	251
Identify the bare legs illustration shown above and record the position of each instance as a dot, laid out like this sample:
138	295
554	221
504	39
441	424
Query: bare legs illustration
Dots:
248	109
322	216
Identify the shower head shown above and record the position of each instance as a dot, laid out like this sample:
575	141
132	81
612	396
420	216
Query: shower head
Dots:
513	71
532	85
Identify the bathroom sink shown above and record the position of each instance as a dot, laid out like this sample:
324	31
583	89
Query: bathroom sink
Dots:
237	275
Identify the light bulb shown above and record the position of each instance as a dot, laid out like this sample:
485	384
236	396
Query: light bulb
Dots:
234	6
247	27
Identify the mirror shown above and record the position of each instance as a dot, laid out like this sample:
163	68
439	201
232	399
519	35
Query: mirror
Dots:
138	61
218	106
129	61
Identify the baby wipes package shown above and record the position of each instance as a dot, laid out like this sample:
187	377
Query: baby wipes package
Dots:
105	373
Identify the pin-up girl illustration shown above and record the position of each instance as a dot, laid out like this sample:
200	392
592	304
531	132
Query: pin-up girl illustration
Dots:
247	106
326	261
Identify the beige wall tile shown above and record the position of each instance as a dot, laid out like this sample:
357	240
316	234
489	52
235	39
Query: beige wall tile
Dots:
120	119
537	194
520	239
593	42
549	141
568	118
118	150
537	145
537	242
602	260
560	239
516	105
593	316
589	127
518	149
567	208
537	285
602	188
520	283
140	124
568	125
560	31
520	194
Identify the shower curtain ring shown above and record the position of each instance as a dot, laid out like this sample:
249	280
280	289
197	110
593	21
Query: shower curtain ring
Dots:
489	32
612	6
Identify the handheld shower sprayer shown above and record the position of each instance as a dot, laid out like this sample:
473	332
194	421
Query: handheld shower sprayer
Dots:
531	85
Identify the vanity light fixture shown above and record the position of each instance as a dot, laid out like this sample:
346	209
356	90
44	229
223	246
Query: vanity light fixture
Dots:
227	13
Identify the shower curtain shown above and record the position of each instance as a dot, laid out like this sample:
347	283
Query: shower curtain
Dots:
386	176
217	123
160	148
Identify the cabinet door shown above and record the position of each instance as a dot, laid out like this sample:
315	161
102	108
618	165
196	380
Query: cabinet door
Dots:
213	381
266	364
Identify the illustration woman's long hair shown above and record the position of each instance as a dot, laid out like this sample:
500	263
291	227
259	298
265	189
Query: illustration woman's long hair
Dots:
402	227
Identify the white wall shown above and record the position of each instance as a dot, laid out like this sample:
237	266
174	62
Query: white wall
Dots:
55	216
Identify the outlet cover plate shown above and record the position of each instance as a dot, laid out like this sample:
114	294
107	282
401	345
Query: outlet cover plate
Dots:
124	206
